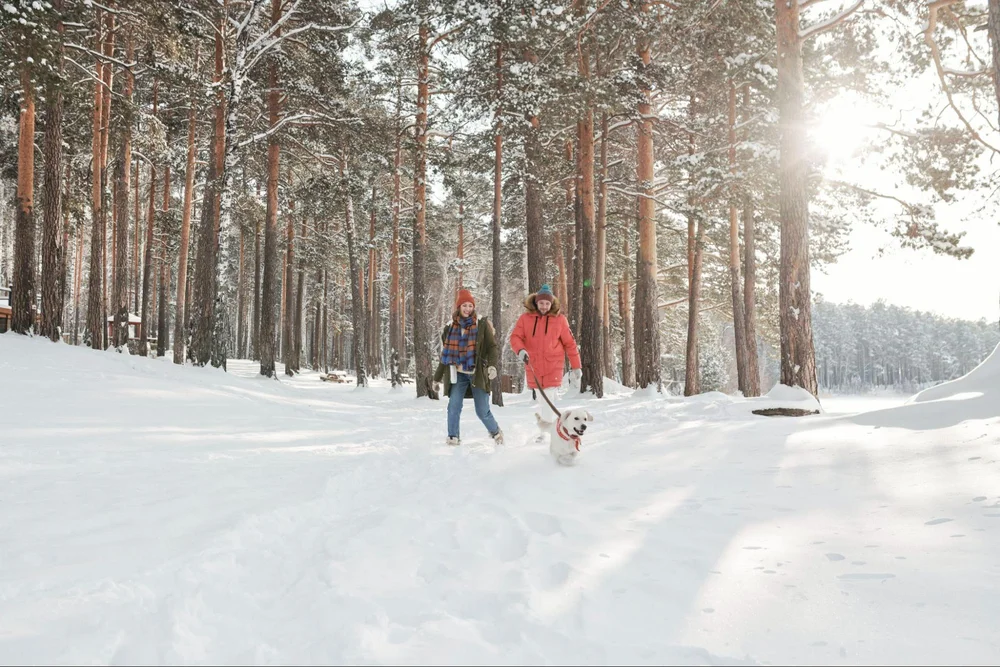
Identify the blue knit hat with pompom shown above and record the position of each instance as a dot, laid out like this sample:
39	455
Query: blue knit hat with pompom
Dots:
545	293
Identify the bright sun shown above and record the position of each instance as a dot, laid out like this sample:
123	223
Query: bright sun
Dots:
841	130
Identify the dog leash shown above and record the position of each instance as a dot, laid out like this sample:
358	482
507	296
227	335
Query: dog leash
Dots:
538	385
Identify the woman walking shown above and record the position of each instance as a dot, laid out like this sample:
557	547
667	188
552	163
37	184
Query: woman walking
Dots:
542	340
468	363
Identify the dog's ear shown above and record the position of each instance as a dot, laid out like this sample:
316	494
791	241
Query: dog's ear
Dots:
590	417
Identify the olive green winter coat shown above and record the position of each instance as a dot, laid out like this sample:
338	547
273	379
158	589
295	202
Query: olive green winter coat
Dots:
486	356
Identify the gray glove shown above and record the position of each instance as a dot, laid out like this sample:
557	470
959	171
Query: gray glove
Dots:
523	356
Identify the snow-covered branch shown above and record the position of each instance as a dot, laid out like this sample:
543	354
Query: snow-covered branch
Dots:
101	56
830	23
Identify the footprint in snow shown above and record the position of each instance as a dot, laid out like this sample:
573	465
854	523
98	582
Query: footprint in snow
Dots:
834	557
979	499
860	576
543	524
935	522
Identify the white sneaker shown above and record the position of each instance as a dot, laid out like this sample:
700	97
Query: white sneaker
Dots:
453	441
498	437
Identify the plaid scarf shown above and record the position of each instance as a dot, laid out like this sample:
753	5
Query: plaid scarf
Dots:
460	345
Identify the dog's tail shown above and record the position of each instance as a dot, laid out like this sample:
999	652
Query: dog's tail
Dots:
541	422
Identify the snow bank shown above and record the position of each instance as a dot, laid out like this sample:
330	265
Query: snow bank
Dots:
983	380
974	396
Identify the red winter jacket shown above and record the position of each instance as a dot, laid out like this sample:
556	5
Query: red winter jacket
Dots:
547	339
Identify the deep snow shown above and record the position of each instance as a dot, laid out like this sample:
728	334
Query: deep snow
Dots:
157	514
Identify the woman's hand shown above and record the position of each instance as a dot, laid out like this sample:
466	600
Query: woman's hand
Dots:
491	372
576	374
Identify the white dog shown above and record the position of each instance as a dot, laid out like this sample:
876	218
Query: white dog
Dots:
565	434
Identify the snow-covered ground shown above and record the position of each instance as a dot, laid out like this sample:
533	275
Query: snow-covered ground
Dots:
157	514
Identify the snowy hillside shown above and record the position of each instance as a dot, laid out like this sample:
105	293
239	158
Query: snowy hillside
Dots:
157	514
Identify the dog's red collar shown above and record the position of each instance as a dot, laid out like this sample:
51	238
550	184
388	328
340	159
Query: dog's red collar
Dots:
566	435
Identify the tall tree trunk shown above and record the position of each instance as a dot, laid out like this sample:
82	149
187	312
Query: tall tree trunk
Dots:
205	279
163	314
798	360
625	309
496	286
299	301
577	245
357	309
396	343
123	174
180	314
691	380
647	332
136	234
78	282
533	218
108	78
750	281
326	321
241	302
421	339
266	336
288	283
23	288
145	316
255	326
739	316
52	251
96	274
374	357
600	278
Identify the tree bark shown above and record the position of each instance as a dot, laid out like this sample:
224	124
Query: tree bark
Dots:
396	343
123	175
136	276
269	288
53	252
421	339
78	282
205	279
533	219
288	283
647	332
299	301
163	314
993	30
497	282
357	310
372	300
95	277
798	360
562	285
108	78
739	317
691	380
145	315
255	325
750	282
180	314
22	298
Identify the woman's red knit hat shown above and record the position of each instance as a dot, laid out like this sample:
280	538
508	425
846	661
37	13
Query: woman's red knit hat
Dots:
464	296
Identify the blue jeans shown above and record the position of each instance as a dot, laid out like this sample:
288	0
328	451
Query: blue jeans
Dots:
480	398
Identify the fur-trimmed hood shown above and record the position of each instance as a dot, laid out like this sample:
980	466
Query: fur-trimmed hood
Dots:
529	305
